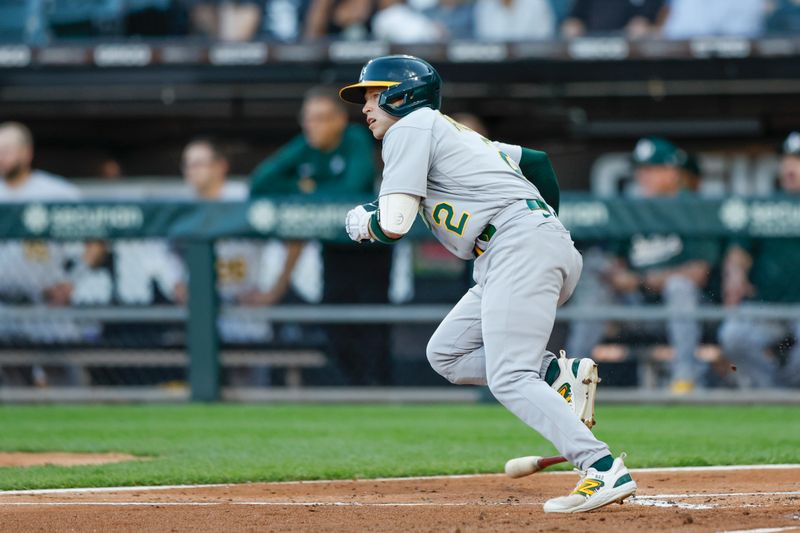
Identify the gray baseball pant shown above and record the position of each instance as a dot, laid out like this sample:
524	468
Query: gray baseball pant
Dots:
498	332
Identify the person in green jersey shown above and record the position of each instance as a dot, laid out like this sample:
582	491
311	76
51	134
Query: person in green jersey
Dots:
758	271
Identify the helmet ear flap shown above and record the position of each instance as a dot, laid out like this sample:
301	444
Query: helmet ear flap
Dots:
414	94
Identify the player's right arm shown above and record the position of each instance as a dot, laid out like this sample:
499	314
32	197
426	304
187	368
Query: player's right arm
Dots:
407	158
386	220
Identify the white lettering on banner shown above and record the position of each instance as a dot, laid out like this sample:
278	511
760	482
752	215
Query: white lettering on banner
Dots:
309	221
734	214
463	52
238	54
123	55
350	51
583	214
720	47
263	216
15	56
763	218
81	221
599	48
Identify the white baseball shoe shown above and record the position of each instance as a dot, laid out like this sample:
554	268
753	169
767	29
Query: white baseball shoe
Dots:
596	489
577	383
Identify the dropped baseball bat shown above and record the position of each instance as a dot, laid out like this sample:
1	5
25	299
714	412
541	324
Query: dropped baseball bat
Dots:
525	466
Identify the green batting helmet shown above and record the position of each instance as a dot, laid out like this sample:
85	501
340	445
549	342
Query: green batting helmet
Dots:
411	80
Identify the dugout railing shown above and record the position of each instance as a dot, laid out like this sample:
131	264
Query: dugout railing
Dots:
198	226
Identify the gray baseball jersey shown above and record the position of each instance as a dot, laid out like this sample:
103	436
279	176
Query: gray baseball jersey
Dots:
497	334
463	178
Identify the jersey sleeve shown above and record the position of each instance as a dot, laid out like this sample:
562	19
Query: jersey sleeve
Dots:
537	169
511	150
407	160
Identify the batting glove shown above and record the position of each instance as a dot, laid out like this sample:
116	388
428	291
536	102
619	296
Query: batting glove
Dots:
357	224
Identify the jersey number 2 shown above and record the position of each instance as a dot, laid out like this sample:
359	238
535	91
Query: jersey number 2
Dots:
448	219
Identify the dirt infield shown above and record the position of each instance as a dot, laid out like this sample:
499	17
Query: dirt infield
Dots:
62	458
671	499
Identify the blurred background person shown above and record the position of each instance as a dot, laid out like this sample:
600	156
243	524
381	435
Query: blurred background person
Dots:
455	18
339	19
228	20
758	271
239	262
284	20
783	17
514	20
686	19
633	18
35	272
327	160
396	22
669	269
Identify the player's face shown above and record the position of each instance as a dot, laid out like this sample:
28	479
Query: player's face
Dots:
790	173
201	170
378	120
323	123
15	156
657	180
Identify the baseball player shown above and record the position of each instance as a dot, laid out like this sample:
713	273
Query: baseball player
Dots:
473	196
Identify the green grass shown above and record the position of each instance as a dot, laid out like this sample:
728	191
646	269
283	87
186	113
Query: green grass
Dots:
233	443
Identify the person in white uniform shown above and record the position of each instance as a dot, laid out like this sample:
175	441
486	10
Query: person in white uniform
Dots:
34	272
478	203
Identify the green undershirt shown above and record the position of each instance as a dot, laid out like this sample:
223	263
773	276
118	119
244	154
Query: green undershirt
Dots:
536	167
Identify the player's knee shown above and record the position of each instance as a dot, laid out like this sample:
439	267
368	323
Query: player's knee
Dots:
438	357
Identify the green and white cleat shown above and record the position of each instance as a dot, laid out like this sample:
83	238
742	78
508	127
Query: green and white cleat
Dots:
596	489
577	383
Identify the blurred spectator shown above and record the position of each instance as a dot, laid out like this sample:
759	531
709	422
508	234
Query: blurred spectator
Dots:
396	22
34	272
670	269
636	18
155	18
783	16
327	159
246	269
324	158
339	19
514	20
760	271
109	169
93	276
689	18
284	19
227	20
691	173
455	18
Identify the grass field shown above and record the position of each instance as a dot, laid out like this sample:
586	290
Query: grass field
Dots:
234	443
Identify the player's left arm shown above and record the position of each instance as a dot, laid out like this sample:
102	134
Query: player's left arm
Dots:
537	168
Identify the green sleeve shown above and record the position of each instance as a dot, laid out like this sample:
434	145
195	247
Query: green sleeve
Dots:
278	174
536	167
359	174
